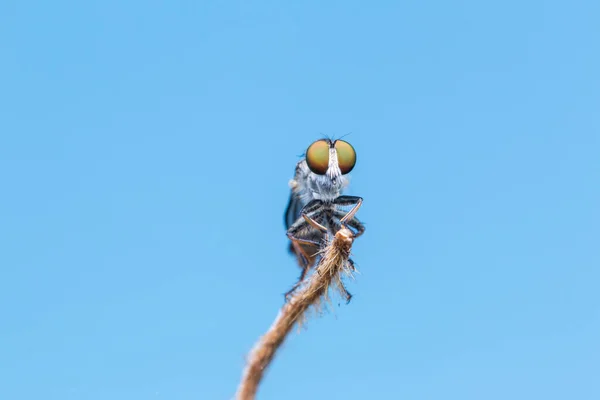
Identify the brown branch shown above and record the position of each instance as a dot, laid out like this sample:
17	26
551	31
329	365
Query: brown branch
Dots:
329	271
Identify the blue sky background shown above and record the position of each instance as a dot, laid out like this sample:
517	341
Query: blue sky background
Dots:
145	150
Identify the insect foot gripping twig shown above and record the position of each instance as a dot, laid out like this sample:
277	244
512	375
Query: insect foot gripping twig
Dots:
333	264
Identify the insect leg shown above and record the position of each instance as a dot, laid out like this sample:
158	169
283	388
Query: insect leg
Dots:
353	223
346	201
347	295
303	236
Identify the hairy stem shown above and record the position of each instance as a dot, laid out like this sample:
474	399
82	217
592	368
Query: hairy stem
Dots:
329	270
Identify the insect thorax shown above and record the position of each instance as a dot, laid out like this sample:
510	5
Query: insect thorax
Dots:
325	188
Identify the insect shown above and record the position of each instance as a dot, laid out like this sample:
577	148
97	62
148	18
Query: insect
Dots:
316	208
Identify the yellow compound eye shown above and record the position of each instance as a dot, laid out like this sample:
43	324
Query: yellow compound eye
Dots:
317	157
346	156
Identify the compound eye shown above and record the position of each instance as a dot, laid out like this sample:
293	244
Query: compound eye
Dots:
346	156
317	157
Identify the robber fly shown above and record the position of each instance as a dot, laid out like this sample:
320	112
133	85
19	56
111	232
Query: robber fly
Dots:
315	210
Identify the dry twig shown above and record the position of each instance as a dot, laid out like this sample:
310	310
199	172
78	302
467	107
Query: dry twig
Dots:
329	271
